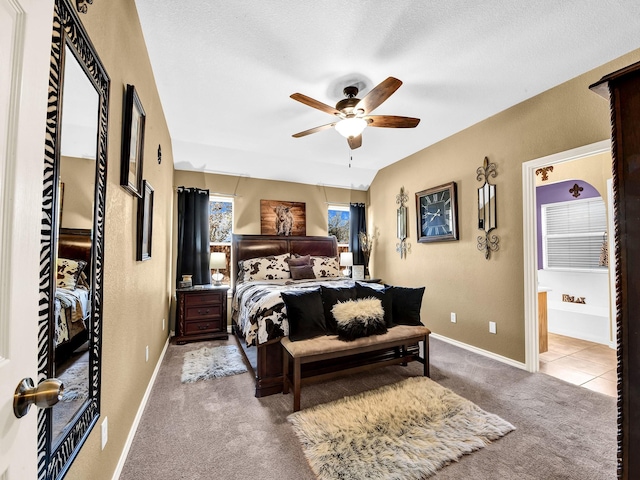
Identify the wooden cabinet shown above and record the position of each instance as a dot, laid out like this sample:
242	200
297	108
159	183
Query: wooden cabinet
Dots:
201	313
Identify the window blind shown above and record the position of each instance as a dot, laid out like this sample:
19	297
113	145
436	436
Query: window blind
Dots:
573	233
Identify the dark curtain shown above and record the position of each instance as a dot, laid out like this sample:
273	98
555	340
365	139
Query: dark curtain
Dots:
357	224
193	235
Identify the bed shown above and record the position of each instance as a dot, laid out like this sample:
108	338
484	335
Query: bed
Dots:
72	299
260	338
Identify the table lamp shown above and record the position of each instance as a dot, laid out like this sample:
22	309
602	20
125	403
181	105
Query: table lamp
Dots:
217	261
346	260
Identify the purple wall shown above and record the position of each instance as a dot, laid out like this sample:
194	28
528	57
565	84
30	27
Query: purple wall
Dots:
558	192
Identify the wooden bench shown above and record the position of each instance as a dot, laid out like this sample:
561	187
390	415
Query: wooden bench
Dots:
328	347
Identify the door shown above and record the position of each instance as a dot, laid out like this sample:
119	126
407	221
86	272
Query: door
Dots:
25	43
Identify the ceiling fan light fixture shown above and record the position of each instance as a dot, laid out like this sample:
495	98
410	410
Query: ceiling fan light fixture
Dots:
351	127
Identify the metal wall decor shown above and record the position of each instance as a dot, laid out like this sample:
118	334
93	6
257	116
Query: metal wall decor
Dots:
487	220
402	247
544	171
82	6
575	190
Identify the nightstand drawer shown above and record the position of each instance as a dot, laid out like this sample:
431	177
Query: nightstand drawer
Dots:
201	313
193	313
204	298
204	326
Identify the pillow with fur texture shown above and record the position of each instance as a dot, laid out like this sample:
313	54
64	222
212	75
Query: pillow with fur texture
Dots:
359	318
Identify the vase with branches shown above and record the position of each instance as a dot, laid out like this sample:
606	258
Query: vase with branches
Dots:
366	245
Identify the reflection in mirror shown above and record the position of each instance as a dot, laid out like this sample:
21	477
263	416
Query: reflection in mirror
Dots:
76	180
402	222
487	207
72	241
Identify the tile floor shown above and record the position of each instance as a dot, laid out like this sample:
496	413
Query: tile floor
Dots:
588	364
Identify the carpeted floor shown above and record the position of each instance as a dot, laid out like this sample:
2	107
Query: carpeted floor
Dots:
218	429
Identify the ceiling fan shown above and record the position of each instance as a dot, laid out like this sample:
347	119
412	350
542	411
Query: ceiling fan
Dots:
354	114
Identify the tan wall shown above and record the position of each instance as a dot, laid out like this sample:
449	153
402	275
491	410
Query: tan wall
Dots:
78	177
136	294
595	170
249	192
456	275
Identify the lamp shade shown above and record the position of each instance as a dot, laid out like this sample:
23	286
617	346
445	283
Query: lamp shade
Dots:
218	260
351	127
346	259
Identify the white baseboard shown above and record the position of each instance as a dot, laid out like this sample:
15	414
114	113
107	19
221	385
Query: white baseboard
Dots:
480	351
136	421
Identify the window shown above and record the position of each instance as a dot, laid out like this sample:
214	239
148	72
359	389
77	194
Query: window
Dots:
573	234
220	219
338	224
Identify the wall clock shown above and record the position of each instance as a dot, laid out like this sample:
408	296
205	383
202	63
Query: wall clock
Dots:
437	212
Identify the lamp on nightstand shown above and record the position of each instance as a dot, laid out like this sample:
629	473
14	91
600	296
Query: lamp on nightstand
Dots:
217	261
346	260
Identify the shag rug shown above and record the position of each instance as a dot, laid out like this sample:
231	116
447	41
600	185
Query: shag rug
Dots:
407	430
76	382
207	363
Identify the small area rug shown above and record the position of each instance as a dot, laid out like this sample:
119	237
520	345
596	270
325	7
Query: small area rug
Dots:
76	382
407	430
207	363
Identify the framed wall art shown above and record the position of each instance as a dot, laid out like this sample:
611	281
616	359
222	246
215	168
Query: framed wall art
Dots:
145	223
282	218
437	212
132	143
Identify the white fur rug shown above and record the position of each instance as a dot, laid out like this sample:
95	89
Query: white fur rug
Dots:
403	431
207	363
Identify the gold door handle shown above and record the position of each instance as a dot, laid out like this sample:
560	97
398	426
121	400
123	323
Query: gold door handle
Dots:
45	395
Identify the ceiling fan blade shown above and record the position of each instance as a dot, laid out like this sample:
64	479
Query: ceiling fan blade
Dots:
391	121
355	142
313	130
379	94
315	103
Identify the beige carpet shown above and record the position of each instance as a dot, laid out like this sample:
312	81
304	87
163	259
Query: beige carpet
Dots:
220	430
406	430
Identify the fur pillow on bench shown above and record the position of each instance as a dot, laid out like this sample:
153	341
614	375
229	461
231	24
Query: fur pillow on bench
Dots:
359	318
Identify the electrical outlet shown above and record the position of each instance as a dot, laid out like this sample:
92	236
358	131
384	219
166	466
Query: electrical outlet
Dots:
454	318
146	353
163	320
105	432
492	327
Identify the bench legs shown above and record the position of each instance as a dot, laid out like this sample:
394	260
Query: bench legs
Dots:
296	380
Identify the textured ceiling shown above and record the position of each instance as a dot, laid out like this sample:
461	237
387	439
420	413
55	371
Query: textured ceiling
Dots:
225	70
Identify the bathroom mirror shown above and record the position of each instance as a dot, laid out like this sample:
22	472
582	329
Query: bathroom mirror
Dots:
72	241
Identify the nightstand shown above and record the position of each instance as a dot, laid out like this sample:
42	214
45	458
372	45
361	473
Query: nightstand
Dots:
201	313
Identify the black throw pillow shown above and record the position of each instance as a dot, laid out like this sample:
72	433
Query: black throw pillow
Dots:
331	296
406	305
364	290
305	314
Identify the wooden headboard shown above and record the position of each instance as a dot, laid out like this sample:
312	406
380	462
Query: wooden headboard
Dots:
75	243
251	246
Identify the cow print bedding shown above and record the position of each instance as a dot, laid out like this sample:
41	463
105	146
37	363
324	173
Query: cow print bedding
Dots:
259	311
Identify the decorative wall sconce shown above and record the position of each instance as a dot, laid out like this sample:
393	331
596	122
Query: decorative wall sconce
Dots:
487	220
402	247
